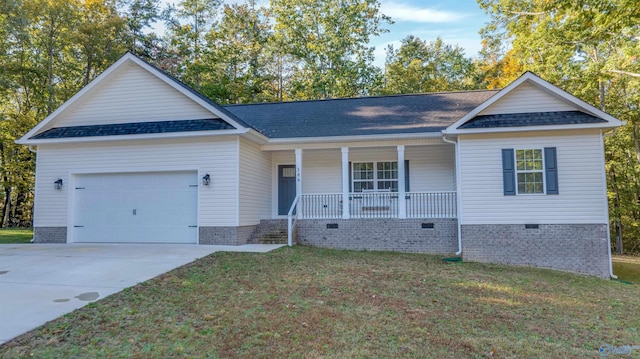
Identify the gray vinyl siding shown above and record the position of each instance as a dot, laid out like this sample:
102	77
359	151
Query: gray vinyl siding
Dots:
527	98
580	179
255	183
131	95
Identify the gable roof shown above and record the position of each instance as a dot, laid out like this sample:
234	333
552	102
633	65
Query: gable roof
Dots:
381	115
583	117
216	110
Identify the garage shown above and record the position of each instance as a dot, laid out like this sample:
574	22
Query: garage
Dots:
150	207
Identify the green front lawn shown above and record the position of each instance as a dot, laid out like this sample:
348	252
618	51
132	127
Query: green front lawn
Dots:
15	235
304	302
627	268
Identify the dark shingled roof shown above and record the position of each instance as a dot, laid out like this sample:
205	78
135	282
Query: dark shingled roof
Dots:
531	119
136	128
360	116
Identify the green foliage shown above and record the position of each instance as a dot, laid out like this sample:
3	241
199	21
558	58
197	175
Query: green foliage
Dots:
327	41
418	66
239	52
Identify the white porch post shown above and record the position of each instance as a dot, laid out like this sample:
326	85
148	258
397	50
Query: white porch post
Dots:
402	197
299	181
345	183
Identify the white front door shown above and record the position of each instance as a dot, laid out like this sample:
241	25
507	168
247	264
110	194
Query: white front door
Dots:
151	207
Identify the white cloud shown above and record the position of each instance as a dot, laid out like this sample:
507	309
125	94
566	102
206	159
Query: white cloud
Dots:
403	12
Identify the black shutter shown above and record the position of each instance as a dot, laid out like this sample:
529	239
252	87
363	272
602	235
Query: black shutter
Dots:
551	170
406	176
508	172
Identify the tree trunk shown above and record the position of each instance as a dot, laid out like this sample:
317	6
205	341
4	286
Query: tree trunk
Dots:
18	209
616	207
635	142
6	209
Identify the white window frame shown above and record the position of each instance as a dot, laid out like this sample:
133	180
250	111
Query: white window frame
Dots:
375	178
517	171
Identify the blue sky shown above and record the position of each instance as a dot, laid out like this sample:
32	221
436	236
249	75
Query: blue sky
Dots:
455	21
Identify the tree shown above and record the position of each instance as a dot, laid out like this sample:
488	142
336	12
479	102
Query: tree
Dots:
327	41
238	55
100	36
418	66
188	23
139	16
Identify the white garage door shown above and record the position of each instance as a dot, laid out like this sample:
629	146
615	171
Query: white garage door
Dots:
159	207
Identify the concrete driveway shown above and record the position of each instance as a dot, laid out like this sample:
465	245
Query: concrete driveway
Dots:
40	282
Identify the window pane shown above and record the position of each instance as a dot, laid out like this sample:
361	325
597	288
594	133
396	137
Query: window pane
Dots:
530	182
520	159
365	185
529	160
288	172
536	160
363	171
388	185
387	170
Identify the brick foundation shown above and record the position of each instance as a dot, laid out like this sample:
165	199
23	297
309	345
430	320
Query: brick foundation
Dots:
50	234
381	234
225	235
579	248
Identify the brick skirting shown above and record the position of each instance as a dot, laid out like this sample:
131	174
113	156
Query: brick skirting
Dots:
579	248
225	235
50	234
381	234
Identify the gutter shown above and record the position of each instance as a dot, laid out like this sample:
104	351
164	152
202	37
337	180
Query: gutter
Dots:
458	197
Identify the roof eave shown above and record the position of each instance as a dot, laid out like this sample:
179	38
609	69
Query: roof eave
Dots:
529	128
391	136
147	136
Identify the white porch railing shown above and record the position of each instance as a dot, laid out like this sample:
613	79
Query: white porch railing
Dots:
292	216
431	205
375	205
320	205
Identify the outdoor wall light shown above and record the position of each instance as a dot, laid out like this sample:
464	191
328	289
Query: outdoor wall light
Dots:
206	179
58	184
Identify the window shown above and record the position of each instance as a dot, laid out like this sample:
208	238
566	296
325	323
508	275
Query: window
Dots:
375	176
530	171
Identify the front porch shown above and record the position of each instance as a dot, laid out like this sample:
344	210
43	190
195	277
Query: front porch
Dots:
370	185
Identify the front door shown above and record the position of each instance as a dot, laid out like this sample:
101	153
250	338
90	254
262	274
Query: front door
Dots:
286	188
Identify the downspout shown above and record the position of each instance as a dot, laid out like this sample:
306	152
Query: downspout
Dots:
604	176
458	197
32	149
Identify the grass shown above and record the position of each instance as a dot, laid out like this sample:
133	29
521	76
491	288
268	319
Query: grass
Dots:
304	302
15	235
627	268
